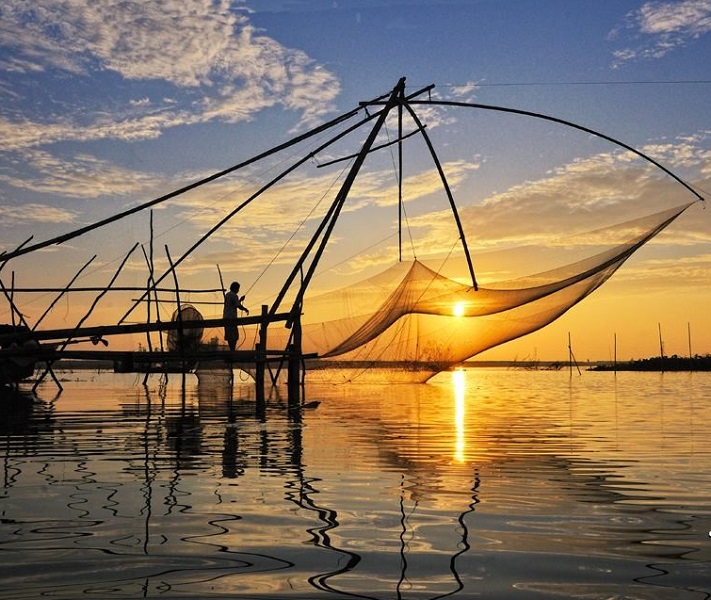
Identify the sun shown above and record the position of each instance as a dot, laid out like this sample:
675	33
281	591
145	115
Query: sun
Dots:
458	309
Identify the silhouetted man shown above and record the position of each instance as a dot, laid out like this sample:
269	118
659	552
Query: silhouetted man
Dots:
233	302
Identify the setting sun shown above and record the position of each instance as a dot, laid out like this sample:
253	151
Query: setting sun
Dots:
458	310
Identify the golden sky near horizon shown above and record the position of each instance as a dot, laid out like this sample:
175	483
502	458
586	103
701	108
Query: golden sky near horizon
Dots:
101	114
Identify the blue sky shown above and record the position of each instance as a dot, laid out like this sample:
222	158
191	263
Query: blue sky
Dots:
109	104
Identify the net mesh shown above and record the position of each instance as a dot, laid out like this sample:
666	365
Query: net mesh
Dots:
415	321
186	339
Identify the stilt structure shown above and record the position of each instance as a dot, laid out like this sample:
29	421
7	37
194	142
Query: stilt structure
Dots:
25	343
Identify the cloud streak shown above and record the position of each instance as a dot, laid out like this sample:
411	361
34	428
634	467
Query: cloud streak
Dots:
77	176
212	63
576	198
11	216
658	28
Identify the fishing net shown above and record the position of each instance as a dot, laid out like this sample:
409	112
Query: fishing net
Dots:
411	322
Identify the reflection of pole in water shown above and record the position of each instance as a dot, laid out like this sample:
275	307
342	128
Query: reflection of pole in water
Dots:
149	473
230	450
403	544
463	544
329	517
322	539
303	489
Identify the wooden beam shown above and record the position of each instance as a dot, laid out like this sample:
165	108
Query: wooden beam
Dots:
99	331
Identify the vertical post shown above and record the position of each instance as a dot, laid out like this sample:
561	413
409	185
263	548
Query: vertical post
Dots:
48	369
571	357
260	360
12	298
295	355
181	333
399	182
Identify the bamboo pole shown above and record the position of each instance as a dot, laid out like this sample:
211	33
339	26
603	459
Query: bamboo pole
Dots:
97	331
329	221
117	288
153	284
12	297
51	354
86	315
260	365
5	256
400	206
61	294
13	307
251	198
571	357
536	115
448	191
294	366
181	330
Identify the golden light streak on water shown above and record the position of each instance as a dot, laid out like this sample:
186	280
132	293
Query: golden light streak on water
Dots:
460	387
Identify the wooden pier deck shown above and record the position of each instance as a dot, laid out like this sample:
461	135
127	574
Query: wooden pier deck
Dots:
24	346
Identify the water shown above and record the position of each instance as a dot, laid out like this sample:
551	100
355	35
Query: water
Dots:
481	484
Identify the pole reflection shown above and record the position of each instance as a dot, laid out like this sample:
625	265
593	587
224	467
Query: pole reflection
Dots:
188	491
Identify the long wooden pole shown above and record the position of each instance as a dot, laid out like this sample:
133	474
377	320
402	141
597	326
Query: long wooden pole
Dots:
248	201
81	231
12	297
448	191
179	313
68	339
400	206
328	218
536	115
329	222
13	306
100	331
64	291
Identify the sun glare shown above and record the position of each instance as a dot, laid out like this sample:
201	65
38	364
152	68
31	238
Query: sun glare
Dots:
458	309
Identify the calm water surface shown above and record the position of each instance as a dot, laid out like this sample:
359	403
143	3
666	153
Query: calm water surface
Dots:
480	484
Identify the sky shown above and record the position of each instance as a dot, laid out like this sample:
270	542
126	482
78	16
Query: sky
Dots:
107	105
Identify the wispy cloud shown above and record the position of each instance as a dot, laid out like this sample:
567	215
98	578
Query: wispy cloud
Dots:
658	28
11	216
78	176
577	198
216	64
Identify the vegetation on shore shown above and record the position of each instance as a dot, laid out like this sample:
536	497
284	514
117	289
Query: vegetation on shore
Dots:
675	362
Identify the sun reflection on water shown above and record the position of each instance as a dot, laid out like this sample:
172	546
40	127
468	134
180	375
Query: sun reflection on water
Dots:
460	387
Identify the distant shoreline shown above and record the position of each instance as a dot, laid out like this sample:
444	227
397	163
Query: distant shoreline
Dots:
657	363
660	363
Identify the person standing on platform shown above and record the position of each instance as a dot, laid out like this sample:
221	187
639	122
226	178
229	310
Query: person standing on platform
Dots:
233	302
